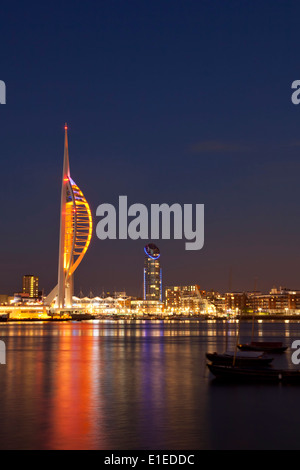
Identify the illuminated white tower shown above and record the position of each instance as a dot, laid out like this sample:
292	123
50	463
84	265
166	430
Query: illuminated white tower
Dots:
74	236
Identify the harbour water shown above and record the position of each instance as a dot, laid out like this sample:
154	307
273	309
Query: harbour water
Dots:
141	385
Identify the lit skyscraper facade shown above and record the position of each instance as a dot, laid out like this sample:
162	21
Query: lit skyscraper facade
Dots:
152	274
31	285
75	234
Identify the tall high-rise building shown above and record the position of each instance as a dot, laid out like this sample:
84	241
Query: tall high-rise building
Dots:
75	234
152	274
31	285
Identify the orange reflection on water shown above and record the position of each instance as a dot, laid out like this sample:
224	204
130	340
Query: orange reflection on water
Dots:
76	414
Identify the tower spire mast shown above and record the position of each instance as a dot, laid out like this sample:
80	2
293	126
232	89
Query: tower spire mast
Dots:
66	155
61	261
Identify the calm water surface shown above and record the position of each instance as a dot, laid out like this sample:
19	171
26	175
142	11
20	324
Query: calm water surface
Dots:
139	385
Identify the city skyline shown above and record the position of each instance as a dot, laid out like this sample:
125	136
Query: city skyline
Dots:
255	286
204	119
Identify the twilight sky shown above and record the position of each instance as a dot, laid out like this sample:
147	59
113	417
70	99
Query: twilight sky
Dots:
166	101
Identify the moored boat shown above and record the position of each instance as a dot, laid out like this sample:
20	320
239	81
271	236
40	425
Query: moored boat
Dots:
253	374
240	358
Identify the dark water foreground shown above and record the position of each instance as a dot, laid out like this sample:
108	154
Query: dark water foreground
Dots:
139	385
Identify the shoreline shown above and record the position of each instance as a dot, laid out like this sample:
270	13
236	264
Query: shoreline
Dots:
177	318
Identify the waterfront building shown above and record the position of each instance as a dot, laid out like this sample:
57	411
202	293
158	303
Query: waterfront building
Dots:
6	299
280	300
115	303
216	299
235	301
187	300
152	274
74	237
146	307
253	301
173	297
294	302
277	301
30	285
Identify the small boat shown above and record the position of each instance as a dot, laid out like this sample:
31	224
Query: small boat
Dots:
252	374
265	346
240	358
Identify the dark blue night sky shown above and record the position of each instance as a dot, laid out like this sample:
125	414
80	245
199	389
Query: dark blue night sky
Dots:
166	101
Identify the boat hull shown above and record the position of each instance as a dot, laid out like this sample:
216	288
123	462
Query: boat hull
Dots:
225	359
242	374
270	347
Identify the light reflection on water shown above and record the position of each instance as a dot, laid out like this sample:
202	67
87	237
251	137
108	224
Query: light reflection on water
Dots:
137	385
